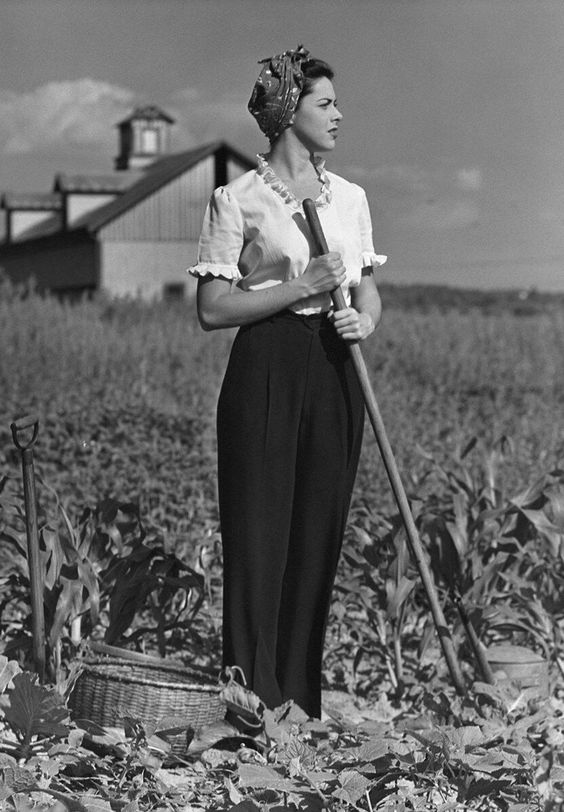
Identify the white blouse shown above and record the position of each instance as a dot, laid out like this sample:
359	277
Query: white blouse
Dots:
255	232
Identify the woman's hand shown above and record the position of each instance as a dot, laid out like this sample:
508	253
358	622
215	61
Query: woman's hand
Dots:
325	273
352	325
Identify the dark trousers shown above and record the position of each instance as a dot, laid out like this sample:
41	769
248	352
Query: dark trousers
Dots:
290	420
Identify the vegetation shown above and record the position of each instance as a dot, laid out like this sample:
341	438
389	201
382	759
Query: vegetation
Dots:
470	387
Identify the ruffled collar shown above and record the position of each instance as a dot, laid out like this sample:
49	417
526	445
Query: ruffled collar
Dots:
265	171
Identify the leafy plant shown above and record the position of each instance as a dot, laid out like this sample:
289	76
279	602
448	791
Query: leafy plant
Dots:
102	576
501	555
496	749
378	588
34	712
126	395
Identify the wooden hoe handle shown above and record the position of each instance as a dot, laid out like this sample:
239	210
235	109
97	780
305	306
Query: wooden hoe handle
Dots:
373	410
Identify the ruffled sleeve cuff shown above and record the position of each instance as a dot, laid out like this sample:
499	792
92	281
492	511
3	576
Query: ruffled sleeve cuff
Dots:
215	269
371	260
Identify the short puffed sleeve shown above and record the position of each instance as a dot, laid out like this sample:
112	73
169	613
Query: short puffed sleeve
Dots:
369	257
221	238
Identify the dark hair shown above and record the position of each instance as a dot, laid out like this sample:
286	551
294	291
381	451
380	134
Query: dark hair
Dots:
312	70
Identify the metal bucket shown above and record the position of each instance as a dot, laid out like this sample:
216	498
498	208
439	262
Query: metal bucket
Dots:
521	665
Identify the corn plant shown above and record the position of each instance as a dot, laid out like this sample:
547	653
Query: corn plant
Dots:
103	576
377	590
501	554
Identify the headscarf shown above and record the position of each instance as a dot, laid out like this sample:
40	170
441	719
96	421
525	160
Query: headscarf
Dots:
277	91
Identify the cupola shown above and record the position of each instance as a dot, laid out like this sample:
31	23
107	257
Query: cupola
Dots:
143	137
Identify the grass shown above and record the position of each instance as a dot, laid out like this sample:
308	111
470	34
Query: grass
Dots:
441	376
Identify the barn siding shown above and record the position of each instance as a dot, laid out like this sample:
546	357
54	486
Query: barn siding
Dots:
144	249
54	264
80	204
22	220
173	213
143	269
234	169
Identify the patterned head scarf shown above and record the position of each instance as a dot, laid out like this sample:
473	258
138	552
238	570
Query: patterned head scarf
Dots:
277	91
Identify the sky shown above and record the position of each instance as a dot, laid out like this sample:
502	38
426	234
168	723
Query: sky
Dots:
453	110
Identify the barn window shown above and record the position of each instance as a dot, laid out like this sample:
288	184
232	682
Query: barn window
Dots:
173	291
149	141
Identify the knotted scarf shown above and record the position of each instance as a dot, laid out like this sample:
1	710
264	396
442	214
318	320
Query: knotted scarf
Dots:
277	91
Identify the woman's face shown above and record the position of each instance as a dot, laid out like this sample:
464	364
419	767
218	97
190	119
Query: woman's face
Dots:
317	118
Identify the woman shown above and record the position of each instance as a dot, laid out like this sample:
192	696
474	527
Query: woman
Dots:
290	411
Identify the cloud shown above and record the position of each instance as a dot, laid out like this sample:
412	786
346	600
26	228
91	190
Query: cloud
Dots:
83	112
60	114
200	119
436	198
469	179
75	120
441	215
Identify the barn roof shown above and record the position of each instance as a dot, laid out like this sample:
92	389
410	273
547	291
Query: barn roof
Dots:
30	201
130	189
147	112
97	184
157	175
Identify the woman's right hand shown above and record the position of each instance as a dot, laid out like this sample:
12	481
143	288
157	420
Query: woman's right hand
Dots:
325	273
221	303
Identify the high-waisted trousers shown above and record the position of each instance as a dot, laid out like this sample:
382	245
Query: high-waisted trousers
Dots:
290	421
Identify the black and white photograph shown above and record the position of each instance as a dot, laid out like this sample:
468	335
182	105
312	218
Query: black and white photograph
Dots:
282	405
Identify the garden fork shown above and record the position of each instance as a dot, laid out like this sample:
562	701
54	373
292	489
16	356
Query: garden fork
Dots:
25	446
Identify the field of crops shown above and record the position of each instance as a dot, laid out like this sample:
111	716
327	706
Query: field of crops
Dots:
472	398
126	394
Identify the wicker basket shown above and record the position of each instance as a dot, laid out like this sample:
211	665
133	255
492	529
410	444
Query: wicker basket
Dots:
121	683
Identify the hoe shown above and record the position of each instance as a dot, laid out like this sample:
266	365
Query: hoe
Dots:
414	542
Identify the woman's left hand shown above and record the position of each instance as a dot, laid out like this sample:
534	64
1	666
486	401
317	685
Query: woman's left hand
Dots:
352	325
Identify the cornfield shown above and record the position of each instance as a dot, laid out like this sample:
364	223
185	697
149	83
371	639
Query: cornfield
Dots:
125	392
441	377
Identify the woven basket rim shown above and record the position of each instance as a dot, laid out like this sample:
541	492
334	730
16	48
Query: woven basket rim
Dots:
101	668
97	649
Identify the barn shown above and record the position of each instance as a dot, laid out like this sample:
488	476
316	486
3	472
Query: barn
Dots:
132	232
